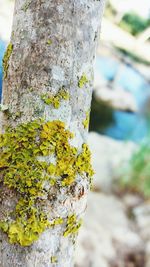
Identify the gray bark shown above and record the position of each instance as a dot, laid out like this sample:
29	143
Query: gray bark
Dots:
54	45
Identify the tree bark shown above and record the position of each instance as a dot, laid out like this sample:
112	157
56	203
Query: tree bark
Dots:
51	53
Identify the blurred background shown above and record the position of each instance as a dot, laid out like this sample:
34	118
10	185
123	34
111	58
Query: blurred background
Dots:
116	231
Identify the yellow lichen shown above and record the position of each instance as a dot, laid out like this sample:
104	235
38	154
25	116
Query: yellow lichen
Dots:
56	99
29	223
86	121
53	259
21	171
6	59
49	42
73	225
83	80
57	221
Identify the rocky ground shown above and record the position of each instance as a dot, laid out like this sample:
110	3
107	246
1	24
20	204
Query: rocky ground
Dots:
116	231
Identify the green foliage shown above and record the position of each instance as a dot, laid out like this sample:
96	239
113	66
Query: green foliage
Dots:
101	116
110	12
22	171
137	176
133	56
134	23
6	59
56	99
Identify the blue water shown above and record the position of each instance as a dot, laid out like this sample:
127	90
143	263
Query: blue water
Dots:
126	126
2	50
107	67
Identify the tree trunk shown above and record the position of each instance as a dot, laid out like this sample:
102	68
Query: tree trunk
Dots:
45	170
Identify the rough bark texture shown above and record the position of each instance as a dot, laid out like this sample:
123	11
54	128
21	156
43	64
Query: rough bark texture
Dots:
54	46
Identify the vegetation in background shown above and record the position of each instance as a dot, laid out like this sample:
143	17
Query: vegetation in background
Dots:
110	12
134	23
137	176
101	116
133	56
